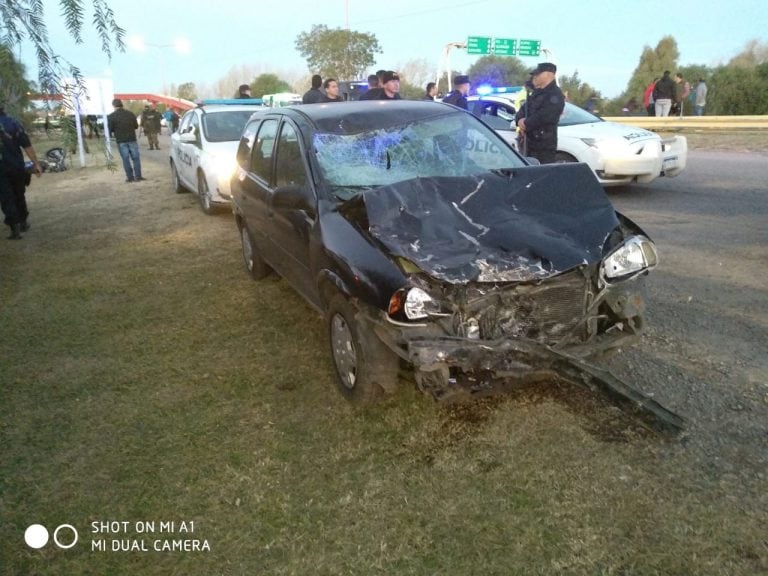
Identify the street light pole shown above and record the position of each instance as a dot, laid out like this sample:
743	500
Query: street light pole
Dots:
445	61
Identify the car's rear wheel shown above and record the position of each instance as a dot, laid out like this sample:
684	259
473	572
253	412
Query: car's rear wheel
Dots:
177	187
365	367
255	266
563	158
204	195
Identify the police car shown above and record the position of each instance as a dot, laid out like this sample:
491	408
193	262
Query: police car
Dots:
617	153
202	155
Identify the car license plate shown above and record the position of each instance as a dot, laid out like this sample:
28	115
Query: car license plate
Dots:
669	163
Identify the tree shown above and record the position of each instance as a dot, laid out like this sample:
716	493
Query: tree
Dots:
416	72
338	53
498	71
25	19
578	92
754	53
268	84
653	62
13	85
188	91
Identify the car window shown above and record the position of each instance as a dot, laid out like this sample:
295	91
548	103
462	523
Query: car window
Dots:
289	168
194	127
454	144
574	115
261	158
184	124
246	143
225	126
493	114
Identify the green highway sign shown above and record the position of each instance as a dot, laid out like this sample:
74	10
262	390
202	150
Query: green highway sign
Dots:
479	45
529	48
504	46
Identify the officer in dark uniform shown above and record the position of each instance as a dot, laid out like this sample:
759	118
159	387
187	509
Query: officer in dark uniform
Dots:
538	117
14	141
458	96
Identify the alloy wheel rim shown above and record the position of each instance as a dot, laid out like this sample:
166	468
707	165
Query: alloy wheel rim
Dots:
344	353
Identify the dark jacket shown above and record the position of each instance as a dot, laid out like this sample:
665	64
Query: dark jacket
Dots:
150	121
542	112
456	98
14	139
665	89
123	124
313	96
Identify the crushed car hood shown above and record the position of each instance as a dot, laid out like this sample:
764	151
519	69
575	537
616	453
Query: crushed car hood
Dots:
538	222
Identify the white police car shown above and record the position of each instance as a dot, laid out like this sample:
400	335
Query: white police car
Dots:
617	153
202	155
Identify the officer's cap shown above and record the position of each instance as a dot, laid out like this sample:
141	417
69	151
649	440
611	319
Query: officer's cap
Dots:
461	79
544	67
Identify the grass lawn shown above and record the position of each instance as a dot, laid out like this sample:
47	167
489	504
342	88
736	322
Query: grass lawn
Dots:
145	378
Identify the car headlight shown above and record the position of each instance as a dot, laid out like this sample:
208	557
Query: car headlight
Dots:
413	303
635	255
223	167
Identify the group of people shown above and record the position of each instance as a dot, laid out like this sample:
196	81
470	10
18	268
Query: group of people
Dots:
667	95
14	177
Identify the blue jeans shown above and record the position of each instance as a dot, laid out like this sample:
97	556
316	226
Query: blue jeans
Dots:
698	110
129	152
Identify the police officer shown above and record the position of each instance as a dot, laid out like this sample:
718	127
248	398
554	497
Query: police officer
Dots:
150	123
13	175
538	117
458	96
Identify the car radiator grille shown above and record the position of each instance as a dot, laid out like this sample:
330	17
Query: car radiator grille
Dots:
545	312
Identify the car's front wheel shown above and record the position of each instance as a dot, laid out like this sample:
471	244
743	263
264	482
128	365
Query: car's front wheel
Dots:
564	158
365	367
204	195
254	264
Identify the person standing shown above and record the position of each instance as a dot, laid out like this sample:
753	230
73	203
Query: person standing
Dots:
663	94
331	91
538	118
431	92
458	96
123	124
682	90
314	95
700	98
150	123
14	141
243	92
375	89
390	87
648	103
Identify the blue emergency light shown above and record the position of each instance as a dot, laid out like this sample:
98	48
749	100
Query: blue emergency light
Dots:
485	89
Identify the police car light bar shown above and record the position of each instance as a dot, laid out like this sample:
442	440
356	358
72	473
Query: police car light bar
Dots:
485	90
232	101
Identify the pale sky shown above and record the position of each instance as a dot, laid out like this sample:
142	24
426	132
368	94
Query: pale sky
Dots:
601	39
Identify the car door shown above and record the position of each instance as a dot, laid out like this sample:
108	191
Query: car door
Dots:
498	116
189	150
292	224
255	190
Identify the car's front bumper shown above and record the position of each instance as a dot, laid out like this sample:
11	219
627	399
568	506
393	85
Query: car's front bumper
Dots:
667	157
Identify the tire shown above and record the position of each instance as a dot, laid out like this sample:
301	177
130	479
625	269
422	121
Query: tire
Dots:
177	187
254	265
204	196
365	367
564	158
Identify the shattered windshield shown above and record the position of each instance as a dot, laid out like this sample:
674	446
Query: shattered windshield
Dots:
448	145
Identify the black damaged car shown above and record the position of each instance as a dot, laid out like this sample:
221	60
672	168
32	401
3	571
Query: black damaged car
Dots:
425	239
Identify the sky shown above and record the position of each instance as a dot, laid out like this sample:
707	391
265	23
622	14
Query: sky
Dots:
601	39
